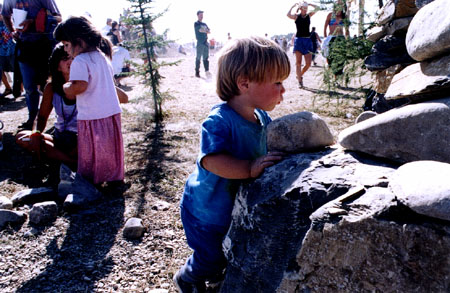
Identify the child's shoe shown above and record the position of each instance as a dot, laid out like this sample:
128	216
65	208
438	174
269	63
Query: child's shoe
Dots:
186	287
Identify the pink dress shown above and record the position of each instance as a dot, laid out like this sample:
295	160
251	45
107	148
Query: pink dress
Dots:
100	142
100	149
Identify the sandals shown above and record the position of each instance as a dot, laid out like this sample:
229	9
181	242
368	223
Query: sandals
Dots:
6	92
300	82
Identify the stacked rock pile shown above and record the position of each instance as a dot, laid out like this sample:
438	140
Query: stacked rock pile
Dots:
371	213
408	32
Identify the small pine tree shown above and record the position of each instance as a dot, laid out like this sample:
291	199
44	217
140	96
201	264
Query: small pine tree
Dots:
145	41
345	54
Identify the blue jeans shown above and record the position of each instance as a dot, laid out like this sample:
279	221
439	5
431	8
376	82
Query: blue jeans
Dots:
202	52
30	83
208	261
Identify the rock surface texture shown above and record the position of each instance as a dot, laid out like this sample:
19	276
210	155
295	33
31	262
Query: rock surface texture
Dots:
411	133
367	247
429	32
298	132
271	215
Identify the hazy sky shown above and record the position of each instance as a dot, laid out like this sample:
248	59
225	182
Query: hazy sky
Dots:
237	17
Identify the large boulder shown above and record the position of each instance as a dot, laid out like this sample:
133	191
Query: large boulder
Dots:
298	132
411	133
371	243
420	81
271	214
424	186
429	32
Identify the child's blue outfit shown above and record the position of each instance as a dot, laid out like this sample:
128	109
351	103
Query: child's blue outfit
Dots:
208	199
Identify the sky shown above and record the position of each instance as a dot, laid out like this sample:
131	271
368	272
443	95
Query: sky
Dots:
240	18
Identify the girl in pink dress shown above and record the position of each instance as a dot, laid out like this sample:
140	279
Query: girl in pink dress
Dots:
100	142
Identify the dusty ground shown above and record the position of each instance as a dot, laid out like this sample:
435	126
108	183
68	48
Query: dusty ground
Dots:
86	252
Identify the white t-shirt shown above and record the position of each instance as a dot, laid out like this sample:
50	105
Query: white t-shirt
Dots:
100	98
105	30
120	55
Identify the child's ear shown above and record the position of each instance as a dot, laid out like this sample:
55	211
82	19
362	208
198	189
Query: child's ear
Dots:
242	83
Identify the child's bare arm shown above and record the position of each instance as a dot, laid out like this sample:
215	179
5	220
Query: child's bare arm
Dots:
123	97
227	166
74	88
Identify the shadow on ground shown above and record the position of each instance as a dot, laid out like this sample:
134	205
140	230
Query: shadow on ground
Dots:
80	257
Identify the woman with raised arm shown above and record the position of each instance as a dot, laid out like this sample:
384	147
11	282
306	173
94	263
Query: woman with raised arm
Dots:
302	44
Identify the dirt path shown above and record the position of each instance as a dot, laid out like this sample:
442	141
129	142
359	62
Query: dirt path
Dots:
86	251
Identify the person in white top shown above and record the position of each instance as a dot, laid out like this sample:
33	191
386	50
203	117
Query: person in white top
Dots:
107	27
100	142
120	63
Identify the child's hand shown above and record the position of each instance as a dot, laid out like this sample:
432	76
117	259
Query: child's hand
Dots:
258	165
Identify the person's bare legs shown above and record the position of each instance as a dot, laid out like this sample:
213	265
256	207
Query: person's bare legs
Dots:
298	67
308	59
5	81
48	148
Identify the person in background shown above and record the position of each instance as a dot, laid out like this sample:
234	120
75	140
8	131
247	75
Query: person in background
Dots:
316	41
62	145
107	28
120	63
334	30
114	34
233	147
100	143
302	44
7	48
34	47
201	34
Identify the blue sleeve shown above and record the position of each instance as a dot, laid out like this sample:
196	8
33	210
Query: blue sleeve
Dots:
215	137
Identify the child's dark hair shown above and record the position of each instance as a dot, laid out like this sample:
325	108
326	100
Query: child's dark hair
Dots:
58	80
75	29
106	47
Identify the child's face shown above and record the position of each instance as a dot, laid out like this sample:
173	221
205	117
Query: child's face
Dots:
266	95
73	51
64	65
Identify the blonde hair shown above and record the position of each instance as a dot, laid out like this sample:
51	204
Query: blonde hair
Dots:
257	59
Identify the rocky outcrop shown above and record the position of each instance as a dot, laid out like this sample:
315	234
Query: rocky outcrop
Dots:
375	218
371	243
271	214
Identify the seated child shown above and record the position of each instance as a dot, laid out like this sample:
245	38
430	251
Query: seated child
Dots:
232	148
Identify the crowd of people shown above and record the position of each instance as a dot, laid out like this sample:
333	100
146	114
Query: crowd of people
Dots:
77	71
